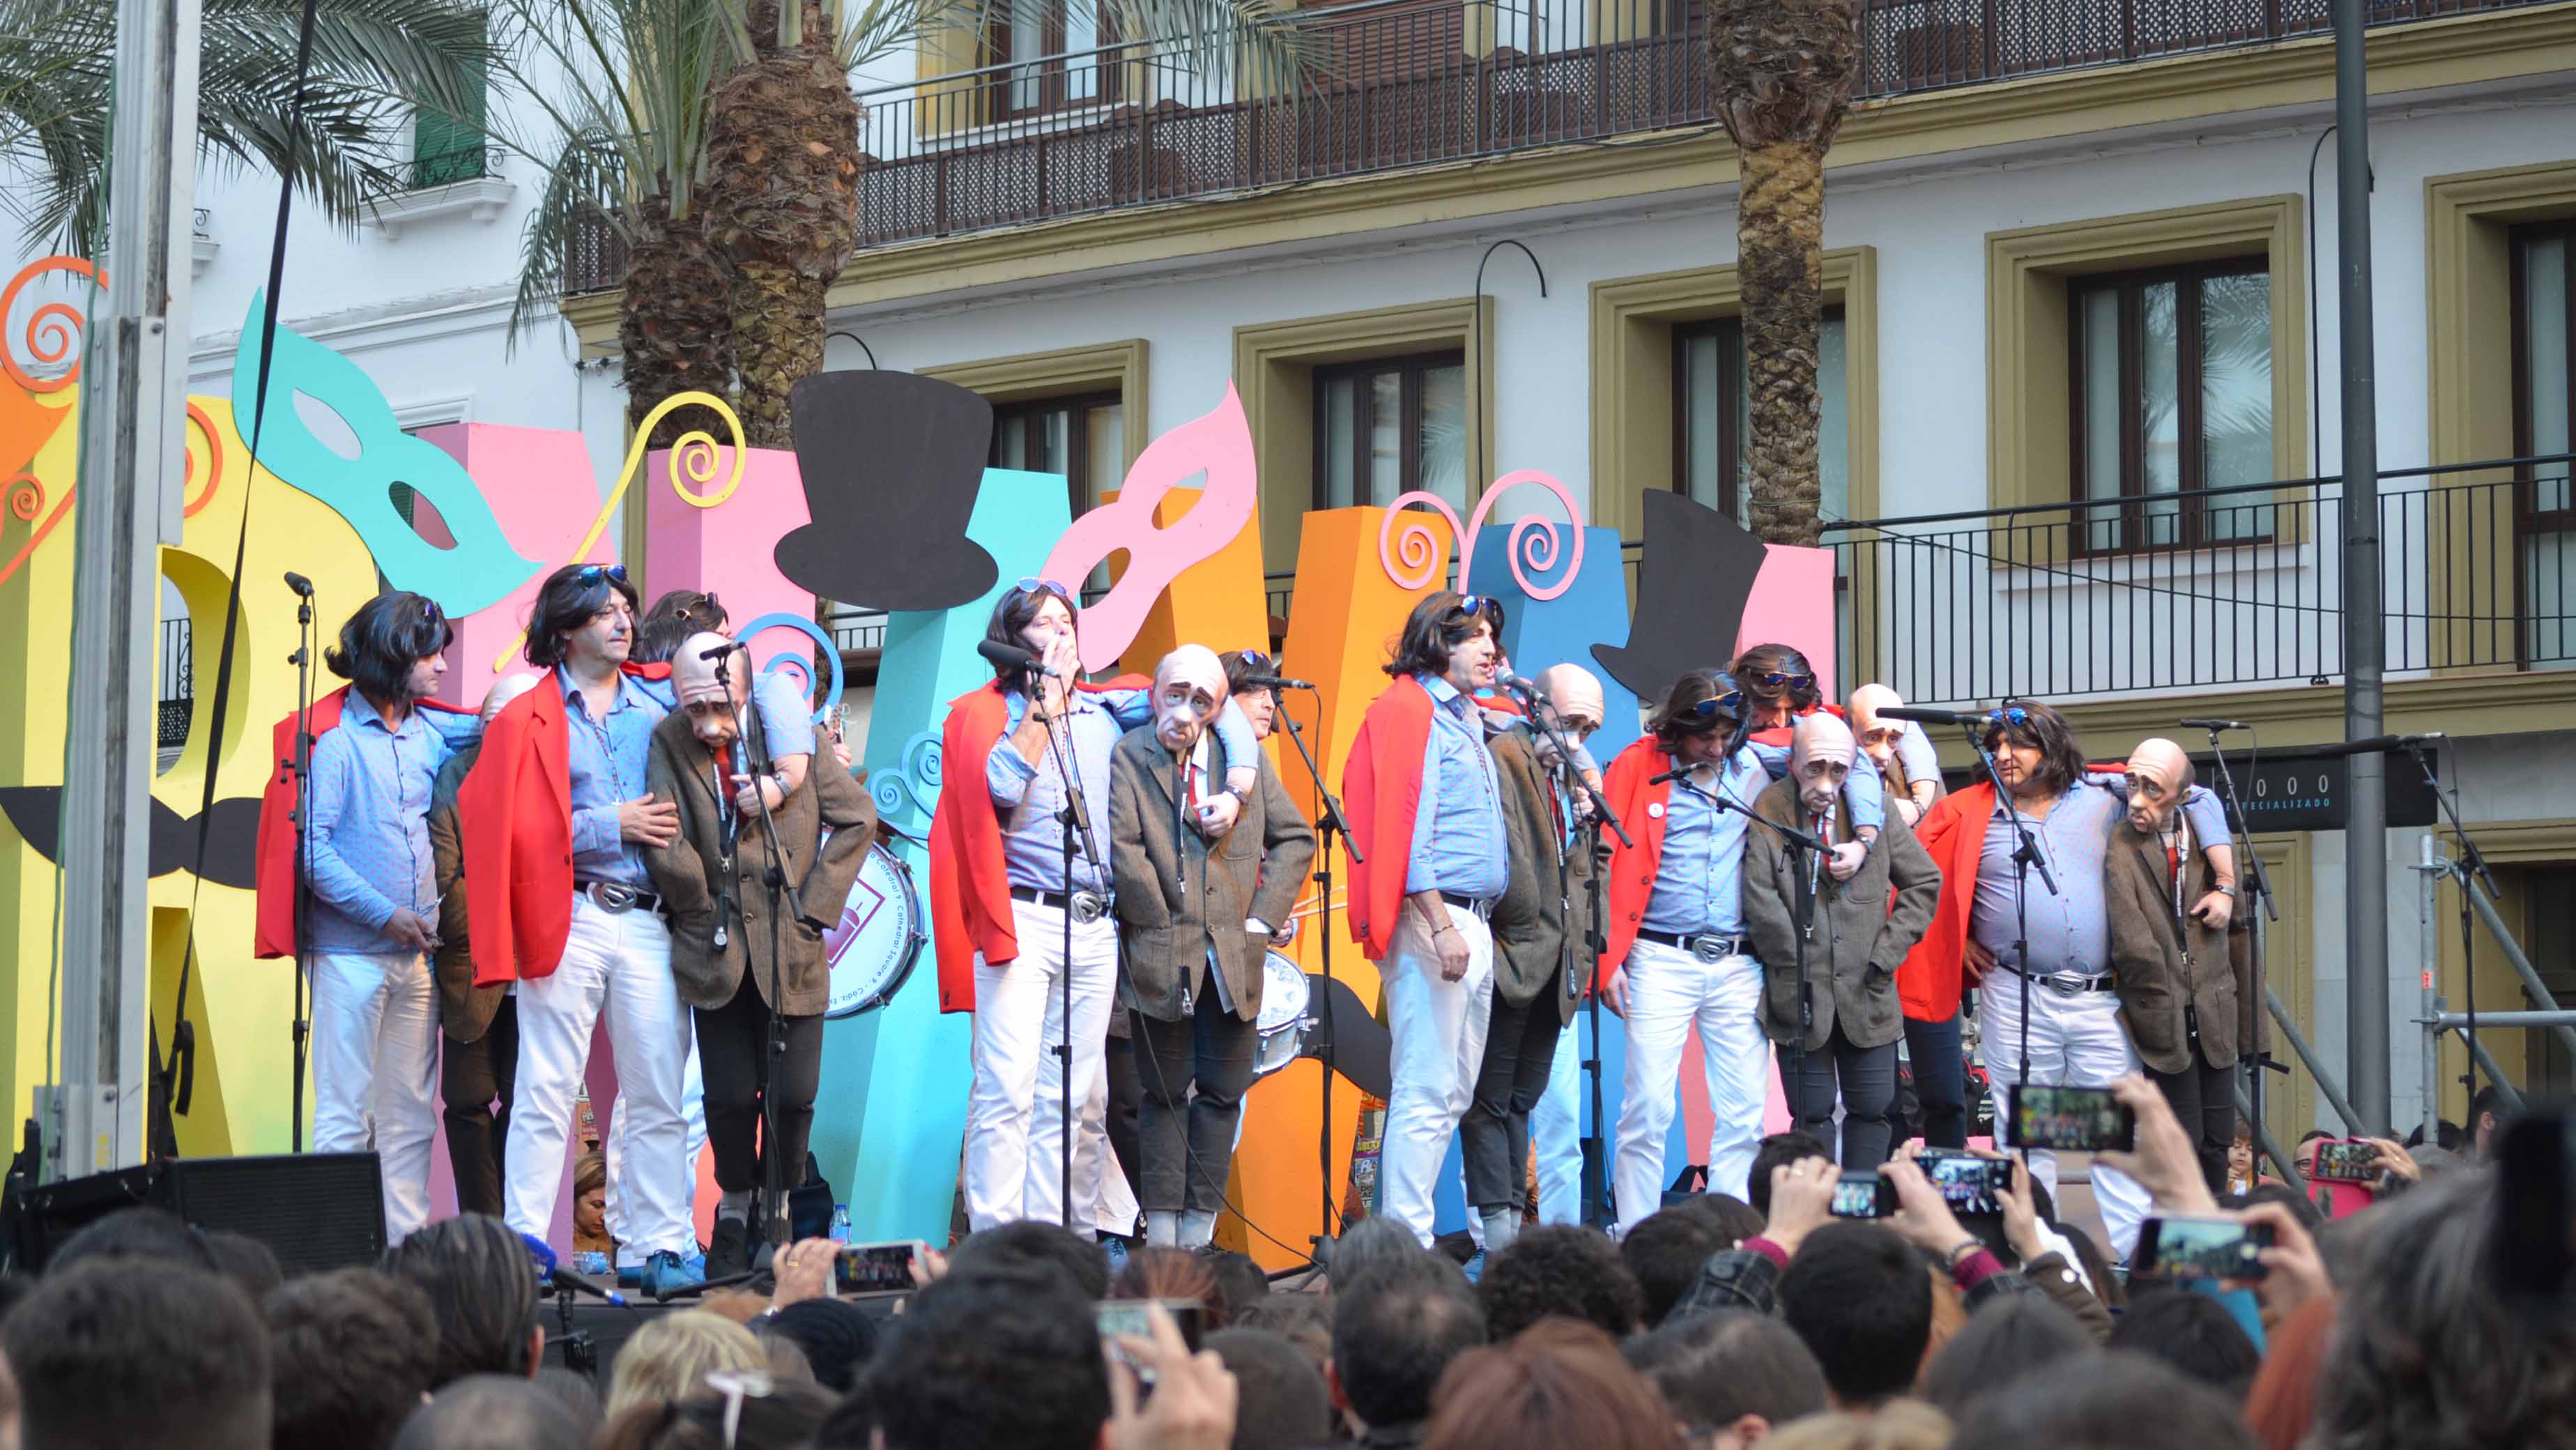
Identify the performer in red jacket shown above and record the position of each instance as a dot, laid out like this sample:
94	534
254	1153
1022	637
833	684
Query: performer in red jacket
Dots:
1426	798
555	818
999	896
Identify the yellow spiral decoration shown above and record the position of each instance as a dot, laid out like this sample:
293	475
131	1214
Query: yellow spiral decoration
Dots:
693	456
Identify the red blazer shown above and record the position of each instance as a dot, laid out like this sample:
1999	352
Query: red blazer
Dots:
1954	831
970	884
1641	808
514	814
273	923
1382	791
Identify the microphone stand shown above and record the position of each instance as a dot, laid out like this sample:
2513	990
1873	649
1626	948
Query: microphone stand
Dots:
1799	842
1076	817
2258	888
300	1025
2025	856
1329	822
774	878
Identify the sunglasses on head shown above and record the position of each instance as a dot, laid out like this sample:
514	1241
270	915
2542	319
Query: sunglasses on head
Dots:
1730	703
589	574
1031	585
712	610
1777	680
2013	716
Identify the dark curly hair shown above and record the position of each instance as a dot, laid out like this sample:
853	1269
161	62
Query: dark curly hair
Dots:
1169	1273
482	1286
1013	613
571	597
1560	1271
1677	716
987	1359
2061	759
386	637
1665	1251
672	619
1768	659
1438	625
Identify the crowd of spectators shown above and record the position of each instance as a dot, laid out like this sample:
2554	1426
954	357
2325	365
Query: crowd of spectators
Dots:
1713	1325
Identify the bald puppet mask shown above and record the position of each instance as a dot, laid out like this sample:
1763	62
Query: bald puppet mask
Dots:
1189	690
2159	772
1877	737
713	705
1820	760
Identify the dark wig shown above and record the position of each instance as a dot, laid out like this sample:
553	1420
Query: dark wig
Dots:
2028	722
1015	611
386	637
571	597
1438	625
672	619
1244	664
1680	715
1762	660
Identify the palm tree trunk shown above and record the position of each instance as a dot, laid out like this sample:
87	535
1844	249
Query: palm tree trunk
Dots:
1780	239
675	327
778	338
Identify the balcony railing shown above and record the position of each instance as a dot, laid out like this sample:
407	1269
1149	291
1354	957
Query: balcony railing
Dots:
1394	84
443	168
2219	590
175	698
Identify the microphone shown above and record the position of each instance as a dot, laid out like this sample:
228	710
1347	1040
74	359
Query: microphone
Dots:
1274	682
543	1254
719	652
1007	656
1934	717
1678	771
2213	725
302	586
2376	744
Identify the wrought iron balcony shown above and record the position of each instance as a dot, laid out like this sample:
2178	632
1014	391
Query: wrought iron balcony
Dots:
1388	85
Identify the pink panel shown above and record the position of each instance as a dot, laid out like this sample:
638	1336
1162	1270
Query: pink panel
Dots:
539	484
726	550
1793	604
1696	1118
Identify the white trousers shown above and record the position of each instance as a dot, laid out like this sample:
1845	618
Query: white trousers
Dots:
1556	1131
617	962
1670	992
612	1149
2073	1039
375	1071
1014	1113
1438	1029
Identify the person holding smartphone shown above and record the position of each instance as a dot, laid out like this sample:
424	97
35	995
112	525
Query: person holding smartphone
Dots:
1197	898
2171	899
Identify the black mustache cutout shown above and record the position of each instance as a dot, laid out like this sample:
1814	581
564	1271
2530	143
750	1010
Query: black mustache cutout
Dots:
232	842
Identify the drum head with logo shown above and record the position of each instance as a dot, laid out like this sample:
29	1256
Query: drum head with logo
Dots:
878	938
1282	1025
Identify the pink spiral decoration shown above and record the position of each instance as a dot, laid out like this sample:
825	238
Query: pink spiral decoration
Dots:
1534	541
52	329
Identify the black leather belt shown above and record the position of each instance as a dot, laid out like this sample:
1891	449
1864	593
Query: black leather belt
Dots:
610	896
1086	906
1481	907
2072	984
1707	946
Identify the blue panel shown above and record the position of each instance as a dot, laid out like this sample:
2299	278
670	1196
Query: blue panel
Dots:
1540	633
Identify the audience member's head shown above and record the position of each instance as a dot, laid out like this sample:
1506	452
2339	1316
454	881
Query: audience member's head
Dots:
246	1261
2193	1333
1559	1385
1280	1399
1395	1329
492	1412
1949	1314
1898	1425
2310	1216
1028	1244
990	1359
578	1393
2487	1119
1365	1245
482	1286
836	1335
1664	1252
1168	1273
1239	1280
1729	1376
1304	1320
2282	1405
1857	1295
2123	1401
787	1363
351	1353
668	1359
1775	1151
2428	1355
1734	1219
751	1413
1560	1271
2012	1338
117	1351
136	1233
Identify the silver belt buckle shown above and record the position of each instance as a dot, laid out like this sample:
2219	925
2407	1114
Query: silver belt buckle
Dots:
611	896
2067	984
1088	907
1710	949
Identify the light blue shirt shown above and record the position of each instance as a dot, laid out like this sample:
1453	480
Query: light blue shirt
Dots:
2069	930
1699	878
368	850
606	756
786	717
1458	841
1029	797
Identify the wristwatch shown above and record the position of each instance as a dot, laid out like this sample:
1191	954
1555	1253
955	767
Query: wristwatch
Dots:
1959	1253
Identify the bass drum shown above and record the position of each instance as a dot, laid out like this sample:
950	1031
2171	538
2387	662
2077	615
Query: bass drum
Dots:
1284	1025
878	938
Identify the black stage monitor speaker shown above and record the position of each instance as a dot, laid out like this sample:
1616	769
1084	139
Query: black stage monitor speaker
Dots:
315	1211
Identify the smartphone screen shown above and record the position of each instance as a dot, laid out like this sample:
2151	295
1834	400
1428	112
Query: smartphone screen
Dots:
2081	1119
1117	1317
880	1268
1863	1195
1968	1183
2346	1161
2203	1248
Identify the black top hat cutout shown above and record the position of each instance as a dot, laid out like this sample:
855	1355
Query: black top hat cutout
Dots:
891	463
1693	582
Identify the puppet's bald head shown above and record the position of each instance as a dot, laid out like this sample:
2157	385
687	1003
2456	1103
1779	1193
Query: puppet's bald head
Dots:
2159	772
1820	758
1574	693
1189	688
1877	737
712	704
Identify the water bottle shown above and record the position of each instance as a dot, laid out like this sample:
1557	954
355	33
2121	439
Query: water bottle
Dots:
841	1223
